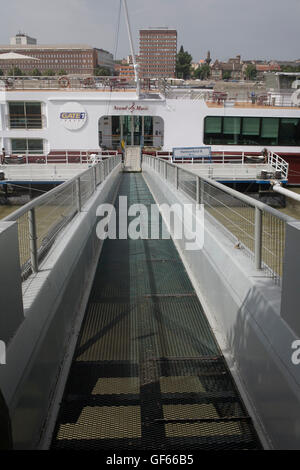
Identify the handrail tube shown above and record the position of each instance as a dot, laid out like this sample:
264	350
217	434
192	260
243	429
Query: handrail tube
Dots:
247	199
31	204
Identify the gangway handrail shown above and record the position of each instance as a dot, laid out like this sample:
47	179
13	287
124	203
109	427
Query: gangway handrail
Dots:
257	227
42	219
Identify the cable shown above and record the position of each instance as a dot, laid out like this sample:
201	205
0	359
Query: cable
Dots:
26	187
116	43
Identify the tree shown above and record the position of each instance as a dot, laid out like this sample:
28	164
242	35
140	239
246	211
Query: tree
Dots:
226	75
15	72
251	72
62	72
183	64
202	72
101	72
49	73
290	68
35	73
1	72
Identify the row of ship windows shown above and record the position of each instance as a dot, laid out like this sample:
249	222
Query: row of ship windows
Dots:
237	130
218	130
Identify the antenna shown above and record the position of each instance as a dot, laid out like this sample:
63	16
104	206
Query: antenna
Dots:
135	65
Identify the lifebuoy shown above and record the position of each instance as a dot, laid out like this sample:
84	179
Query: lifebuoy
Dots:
89	81
64	82
295	98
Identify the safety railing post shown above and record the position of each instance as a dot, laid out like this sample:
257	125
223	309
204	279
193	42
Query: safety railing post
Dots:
165	170
102	172
198	193
78	194
258	238
94	177
176	177
33	240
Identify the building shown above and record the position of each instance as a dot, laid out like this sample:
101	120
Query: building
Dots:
22	39
232	69
196	65
268	67
158	49
73	59
105	59
125	71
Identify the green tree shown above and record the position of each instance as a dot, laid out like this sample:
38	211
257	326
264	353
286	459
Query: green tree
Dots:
15	72
251	72
62	72
290	68
202	72
226	75
102	72
1	72
183	64
35	73
49	73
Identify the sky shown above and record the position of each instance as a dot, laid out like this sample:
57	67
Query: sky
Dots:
256	29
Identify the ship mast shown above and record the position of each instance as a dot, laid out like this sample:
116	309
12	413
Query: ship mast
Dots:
135	65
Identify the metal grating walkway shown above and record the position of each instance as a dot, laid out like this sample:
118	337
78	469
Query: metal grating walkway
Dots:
147	373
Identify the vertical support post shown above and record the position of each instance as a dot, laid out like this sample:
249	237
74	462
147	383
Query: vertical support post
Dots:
258	238
198	193
201	191
78	194
165	170
176	177
95	177
33	240
102	172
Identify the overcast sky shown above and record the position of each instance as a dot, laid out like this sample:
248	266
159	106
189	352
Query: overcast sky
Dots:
254	28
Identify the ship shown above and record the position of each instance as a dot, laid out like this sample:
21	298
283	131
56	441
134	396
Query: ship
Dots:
148	342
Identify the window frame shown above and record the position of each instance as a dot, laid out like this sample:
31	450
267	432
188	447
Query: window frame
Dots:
224	138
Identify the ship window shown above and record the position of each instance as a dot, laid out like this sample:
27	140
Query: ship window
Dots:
213	125
235	130
270	127
30	146
251	126
232	125
25	115
289	131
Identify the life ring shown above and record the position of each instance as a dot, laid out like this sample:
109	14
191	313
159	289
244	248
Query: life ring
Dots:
89	81
64	82
295	98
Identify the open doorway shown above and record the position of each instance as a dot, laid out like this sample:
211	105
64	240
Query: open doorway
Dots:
147	131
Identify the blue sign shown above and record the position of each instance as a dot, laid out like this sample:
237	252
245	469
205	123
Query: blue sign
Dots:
191	152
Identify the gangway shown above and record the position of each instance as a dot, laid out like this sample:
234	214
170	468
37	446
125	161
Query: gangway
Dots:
147	372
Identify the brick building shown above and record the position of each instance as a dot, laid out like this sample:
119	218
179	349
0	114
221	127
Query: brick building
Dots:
233	68
74	59
125	71
158	49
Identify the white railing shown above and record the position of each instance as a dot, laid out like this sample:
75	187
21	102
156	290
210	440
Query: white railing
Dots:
279	164
59	156
42	219
271	162
255	227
